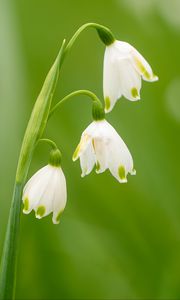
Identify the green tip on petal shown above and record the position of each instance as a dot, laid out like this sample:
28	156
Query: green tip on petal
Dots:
40	212
26	205
133	172
122	174
83	174
107	103
155	77
76	152
134	92
58	217
142	69
98	166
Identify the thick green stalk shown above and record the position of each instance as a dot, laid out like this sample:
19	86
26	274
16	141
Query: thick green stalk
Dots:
34	131
10	251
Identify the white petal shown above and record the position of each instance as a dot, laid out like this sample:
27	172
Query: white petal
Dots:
35	188
34	179
130	80
87	160
45	202
111	84
121	49
86	139
60	196
142	66
101	154
119	157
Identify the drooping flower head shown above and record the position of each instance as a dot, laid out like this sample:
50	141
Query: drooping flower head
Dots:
45	192
102	146
124	67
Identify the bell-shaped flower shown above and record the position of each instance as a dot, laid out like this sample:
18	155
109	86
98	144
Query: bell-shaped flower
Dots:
123	68
46	192
100	144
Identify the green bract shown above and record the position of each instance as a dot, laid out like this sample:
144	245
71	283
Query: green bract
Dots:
39	117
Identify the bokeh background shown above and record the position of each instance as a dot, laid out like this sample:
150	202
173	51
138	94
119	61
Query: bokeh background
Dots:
114	241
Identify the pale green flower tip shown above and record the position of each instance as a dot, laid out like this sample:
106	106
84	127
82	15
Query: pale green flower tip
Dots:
56	220
107	104
133	172
123	180
155	78
122	174
135	93
40	212
26	212
26	206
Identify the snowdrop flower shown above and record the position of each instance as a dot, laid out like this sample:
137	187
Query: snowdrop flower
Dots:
100	144
123	68
46	191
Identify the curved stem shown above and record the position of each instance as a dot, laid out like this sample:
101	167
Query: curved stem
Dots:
104	33
75	93
50	142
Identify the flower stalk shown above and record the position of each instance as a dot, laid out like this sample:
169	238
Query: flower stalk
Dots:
34	131
97	105
104	33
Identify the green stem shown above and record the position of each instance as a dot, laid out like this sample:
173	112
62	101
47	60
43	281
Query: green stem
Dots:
104	33
9	261
75	93
50	142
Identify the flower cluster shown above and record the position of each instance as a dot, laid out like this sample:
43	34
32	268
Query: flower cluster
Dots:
100	144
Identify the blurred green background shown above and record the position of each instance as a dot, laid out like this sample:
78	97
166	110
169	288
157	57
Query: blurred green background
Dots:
114	241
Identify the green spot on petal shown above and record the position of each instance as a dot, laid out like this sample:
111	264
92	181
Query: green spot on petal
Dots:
26	204
147	75
98	166
142	68
122	173
40	211
76	152
134	92
58	217
107	103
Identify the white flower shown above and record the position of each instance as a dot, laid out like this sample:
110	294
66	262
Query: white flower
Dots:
46	192
123	68
100	144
